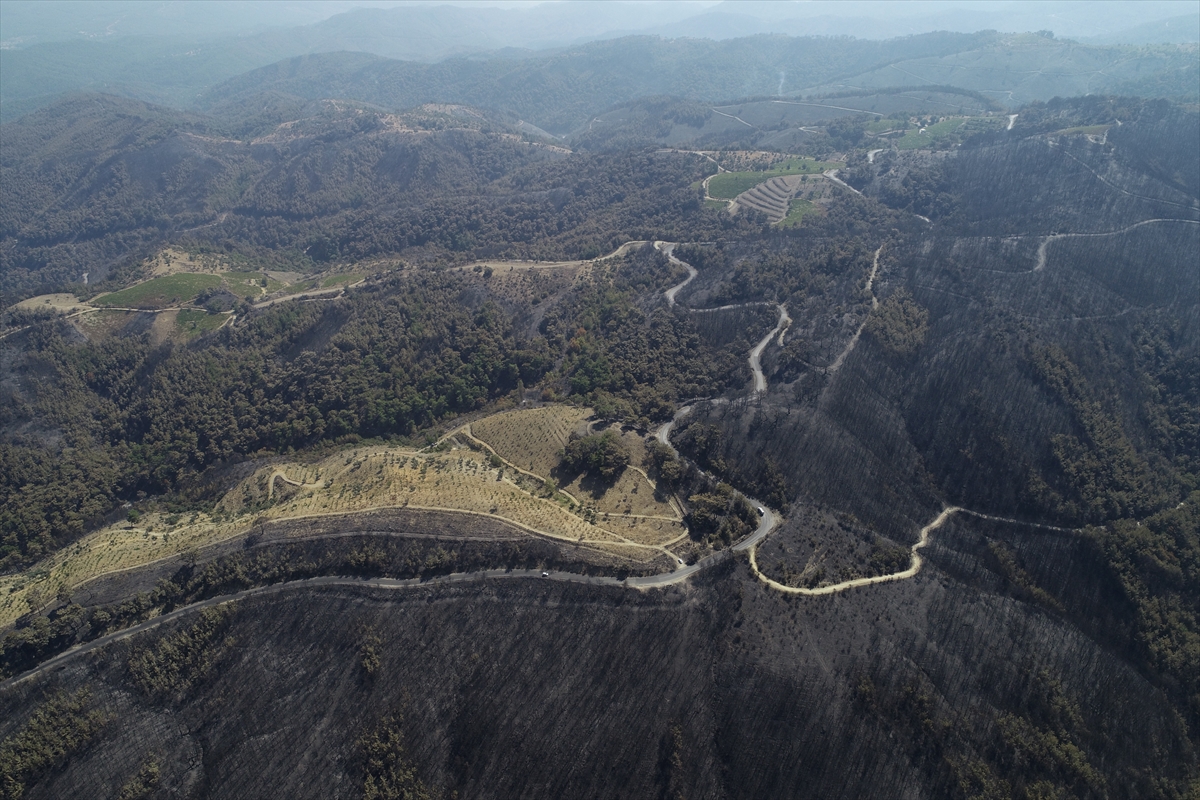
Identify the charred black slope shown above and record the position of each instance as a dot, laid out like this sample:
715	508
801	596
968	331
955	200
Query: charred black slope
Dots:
1014	355
539	688
1024	358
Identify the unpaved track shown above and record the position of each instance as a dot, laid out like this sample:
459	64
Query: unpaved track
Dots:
279	475
1041	252
841	359
669	249
760	381
1189	206
731	116
913	569
831	174
914	566
769	520
320	293
823	105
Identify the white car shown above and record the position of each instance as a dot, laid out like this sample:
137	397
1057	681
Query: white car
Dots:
761	511
545	574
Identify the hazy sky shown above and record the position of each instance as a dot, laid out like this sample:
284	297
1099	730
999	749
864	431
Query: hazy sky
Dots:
25	22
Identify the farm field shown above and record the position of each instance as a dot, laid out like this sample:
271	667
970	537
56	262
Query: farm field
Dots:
167	290
797	210
192	322
251	284
532	439
58	302
947	132
341	279
729	185
459	475
184	287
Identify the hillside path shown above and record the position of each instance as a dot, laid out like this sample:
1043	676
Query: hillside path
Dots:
1041	251
769	520
841	359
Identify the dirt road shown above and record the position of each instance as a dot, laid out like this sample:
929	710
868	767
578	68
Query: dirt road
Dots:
841	359
1041	251
669	249
760	380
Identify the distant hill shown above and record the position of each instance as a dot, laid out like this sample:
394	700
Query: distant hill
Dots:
1184	28
784	124
1016	69
99	183
95	179
560	90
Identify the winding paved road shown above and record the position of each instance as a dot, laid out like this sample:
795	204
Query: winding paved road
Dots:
669	249
769	520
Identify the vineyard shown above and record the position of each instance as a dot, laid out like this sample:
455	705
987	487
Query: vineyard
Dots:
461	474
531	438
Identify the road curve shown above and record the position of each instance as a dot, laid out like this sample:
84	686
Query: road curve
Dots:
832	175
1041	251
760	381
913	569
668	248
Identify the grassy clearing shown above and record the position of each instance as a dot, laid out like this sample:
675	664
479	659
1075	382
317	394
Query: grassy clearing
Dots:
103	324
161	292
797	210
302	286
190	322
251	284
729	185
460	477
720	205
340	279
947	133
885	124
59	303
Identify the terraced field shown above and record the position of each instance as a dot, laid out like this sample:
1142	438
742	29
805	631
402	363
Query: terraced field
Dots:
729	185
462	474
771	197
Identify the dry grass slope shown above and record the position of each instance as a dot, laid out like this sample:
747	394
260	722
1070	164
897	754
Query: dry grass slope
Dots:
460	475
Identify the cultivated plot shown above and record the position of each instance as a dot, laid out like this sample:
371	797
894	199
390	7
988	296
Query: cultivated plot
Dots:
463	474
